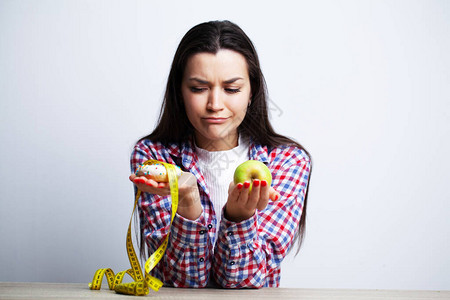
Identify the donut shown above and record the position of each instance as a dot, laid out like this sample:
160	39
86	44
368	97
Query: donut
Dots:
156	171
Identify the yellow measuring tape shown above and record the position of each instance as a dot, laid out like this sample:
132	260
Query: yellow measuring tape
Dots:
141	283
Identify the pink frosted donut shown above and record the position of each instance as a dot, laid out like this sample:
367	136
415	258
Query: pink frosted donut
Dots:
156	171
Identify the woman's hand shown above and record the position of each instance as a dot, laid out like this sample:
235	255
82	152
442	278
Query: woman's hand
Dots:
189	205
241	204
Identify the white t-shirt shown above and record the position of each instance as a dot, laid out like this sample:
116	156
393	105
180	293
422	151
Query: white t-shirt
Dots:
218	168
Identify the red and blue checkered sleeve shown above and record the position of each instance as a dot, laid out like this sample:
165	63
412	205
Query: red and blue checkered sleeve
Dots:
186	262
248	254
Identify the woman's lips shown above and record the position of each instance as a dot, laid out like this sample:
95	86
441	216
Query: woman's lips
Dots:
215	120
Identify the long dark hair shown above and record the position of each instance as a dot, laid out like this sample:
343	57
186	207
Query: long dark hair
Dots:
173	124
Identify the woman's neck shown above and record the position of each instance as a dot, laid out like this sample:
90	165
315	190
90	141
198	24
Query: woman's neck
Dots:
227	143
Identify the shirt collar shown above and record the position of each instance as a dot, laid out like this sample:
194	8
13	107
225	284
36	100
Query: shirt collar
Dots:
185	150
258	152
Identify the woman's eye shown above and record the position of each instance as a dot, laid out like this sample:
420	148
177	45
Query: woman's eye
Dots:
197	89
233	91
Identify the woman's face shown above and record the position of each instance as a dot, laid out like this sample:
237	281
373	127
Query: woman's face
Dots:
216	93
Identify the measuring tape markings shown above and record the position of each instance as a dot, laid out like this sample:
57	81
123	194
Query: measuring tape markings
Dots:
141	284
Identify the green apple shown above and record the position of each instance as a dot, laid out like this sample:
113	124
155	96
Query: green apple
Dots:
250	170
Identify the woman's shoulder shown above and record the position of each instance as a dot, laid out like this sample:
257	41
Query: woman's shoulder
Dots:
147	144
158	149
146	148
289	153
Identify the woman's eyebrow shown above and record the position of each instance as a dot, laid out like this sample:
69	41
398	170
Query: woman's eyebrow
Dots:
201	81
198	80
232	80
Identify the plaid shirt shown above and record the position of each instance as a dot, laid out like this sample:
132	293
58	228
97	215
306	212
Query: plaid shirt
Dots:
247	254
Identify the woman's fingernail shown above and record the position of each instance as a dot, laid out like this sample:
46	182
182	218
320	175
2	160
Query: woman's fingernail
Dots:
246	184
263	183
239	186
276	197
256	182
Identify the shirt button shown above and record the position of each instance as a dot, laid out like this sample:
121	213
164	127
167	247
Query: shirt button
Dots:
202	231
209	226
232	263
229	233
201	259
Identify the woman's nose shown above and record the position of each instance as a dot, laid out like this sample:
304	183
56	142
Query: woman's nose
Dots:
215	102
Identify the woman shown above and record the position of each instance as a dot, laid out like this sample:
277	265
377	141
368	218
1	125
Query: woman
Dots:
214	117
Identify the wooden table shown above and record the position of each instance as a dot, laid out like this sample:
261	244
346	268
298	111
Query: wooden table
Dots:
14	290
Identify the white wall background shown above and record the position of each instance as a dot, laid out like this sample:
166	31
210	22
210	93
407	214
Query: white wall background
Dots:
364	85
